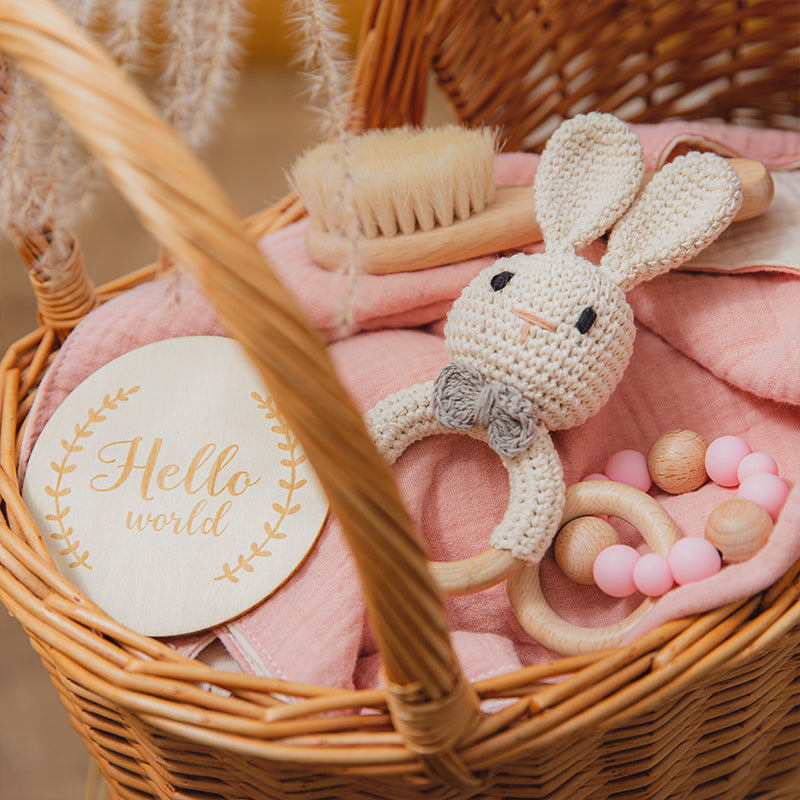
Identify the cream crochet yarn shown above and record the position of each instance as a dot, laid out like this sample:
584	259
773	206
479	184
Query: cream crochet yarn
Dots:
539	342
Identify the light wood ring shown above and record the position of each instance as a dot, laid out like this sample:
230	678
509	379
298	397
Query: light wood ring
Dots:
474	574
406	417
524	588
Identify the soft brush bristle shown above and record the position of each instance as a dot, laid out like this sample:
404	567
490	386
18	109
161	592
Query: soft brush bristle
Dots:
407	179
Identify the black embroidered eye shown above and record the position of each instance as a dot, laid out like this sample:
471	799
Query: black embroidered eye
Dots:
586	319
500	281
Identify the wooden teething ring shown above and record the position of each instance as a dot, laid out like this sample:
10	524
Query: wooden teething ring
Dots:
474	574
412	408
404	418
583	499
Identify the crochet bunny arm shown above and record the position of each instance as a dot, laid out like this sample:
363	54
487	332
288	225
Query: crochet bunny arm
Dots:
536	500
536	485
401	419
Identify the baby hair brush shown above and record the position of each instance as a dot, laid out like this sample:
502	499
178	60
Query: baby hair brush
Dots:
427	197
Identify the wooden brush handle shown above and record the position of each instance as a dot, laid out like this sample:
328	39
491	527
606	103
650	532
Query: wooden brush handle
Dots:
508	223
758	188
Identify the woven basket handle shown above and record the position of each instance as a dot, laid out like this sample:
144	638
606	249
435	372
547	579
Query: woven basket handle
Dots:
183	207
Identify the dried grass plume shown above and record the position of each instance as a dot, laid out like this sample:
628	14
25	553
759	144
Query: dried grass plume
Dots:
323	55
203	55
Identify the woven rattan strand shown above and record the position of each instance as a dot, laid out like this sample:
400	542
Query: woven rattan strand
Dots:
701	708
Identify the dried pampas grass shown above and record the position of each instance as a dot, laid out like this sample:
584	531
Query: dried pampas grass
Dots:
84	12
47	178
204	51
128	33
323	56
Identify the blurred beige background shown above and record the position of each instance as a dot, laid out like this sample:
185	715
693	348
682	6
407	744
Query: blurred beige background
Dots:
41	756
268	126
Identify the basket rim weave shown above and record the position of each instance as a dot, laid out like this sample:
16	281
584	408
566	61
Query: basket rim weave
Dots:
106	672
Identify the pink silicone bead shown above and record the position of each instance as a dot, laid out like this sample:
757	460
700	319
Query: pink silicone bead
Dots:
613	570
723	457
766	489
629	467
694	558
652	575
756	462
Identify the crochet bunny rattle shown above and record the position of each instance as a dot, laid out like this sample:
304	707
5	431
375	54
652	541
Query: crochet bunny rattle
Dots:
538	343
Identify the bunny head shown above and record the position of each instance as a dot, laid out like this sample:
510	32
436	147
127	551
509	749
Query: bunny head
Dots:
555	326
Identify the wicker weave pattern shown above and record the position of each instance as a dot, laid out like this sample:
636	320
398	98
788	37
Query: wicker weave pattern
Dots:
525	66
697	734
703	708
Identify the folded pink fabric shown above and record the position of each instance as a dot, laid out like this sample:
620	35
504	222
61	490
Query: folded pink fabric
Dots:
715	353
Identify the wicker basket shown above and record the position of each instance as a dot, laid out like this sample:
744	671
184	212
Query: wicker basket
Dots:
707	707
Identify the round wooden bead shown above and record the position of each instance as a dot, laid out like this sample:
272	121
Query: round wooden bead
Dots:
676	461
738	528
579	543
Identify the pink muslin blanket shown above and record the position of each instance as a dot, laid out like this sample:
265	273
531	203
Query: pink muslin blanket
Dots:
716	353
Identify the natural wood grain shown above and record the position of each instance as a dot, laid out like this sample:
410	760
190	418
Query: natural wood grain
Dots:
525	592
578	544
738	529
676	461
508	222
474	574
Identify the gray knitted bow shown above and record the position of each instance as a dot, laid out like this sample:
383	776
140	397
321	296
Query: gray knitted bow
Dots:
462	398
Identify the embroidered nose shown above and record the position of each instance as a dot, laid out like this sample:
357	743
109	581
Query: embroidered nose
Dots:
531	319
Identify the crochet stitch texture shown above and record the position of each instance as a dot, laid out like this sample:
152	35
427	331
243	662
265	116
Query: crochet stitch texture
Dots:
539	342
463	398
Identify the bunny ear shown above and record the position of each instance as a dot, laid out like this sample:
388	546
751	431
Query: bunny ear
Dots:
683	208
590	172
